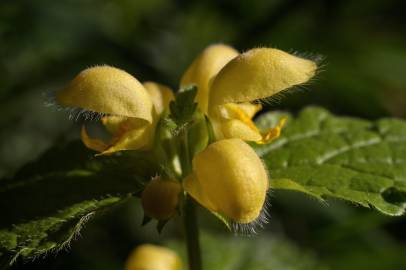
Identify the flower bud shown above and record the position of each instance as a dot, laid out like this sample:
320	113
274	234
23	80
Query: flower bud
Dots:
151	257
160	198
229	178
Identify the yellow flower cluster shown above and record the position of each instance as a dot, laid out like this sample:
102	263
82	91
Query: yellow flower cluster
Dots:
227	177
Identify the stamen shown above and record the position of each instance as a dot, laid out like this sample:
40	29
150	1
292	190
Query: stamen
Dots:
272	133
267	136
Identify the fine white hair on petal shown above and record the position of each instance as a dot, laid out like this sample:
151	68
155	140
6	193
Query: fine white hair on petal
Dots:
78	113
277	98
254	226
319	59
74	113
49	98
315	57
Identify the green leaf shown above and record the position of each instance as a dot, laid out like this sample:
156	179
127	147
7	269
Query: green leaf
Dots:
340	157
183	108
47	202
261	253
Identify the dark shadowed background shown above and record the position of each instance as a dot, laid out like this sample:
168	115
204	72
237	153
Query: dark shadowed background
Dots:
45	43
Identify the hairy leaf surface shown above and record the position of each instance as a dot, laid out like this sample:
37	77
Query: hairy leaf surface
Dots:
47	202
340	157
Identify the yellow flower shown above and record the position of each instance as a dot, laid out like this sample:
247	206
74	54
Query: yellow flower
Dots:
132	109
228	83
151	257
229	178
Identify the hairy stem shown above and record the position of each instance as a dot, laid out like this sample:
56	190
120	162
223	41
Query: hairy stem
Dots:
192	234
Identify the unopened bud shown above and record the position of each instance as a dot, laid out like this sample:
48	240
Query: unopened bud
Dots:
160	198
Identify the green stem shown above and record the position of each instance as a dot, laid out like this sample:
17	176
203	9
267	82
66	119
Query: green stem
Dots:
187	162
192	234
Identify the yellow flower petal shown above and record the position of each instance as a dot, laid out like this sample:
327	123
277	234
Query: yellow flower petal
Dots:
257	74
127	134
133	139
234	121
231	177
249	109
151	257
239	129
237	112
92	143
160	94
106	89
192	186
204	68
114	123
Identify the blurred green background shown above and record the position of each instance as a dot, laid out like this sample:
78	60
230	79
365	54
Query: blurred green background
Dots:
44	43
